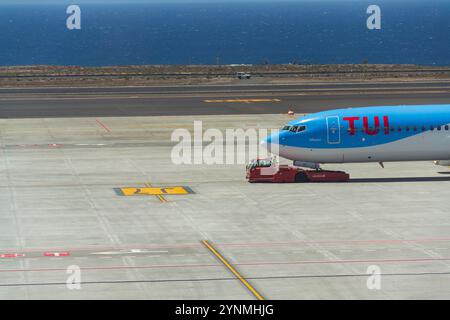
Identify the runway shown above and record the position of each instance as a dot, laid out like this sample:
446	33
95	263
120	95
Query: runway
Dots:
196	100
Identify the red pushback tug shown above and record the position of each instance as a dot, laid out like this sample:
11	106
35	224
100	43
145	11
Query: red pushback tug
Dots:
267	170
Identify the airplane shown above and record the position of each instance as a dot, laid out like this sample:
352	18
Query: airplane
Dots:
368	134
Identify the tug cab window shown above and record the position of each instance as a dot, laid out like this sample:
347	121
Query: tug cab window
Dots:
263	163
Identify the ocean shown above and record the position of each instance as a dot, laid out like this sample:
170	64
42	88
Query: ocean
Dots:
239	32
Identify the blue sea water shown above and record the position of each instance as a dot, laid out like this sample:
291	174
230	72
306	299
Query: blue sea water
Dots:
312	32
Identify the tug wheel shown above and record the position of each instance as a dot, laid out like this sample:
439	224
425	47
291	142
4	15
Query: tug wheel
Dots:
301	177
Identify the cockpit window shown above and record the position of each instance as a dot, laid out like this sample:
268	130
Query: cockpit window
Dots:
294	128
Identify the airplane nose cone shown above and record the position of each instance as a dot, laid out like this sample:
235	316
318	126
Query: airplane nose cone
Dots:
271	143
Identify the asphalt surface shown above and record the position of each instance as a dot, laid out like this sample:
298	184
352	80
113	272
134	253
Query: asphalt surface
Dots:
227	99
60	210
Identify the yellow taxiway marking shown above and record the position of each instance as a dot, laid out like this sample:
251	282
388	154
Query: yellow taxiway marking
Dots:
233	270
162	199
153	191
149	190
242	100
159	196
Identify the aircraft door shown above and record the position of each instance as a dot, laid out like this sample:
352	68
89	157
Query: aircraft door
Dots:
334	130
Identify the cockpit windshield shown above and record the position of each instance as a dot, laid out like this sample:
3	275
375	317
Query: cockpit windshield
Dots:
294	129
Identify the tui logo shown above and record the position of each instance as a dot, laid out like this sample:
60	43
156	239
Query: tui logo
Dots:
370	130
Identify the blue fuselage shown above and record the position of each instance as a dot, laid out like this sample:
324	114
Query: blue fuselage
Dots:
389	133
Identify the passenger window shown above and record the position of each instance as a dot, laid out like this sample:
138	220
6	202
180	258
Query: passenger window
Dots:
399	129
439	128
355	130
431	128
424	128
415	128
446	128
408	129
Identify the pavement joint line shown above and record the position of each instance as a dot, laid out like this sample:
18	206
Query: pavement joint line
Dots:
287	277
250	263
238	244
160	197
233	270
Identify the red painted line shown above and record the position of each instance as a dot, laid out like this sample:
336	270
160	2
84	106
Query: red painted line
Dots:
57	254
115	268
12	255
27	145
104	248
256	264
101	124
412	260
355	242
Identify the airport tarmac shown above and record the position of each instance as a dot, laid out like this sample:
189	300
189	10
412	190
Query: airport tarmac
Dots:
60	208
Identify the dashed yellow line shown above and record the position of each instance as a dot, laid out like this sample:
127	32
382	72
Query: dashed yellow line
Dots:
233	270
160	197
242	100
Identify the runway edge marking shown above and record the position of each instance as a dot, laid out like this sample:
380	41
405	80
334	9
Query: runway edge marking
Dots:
233	270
